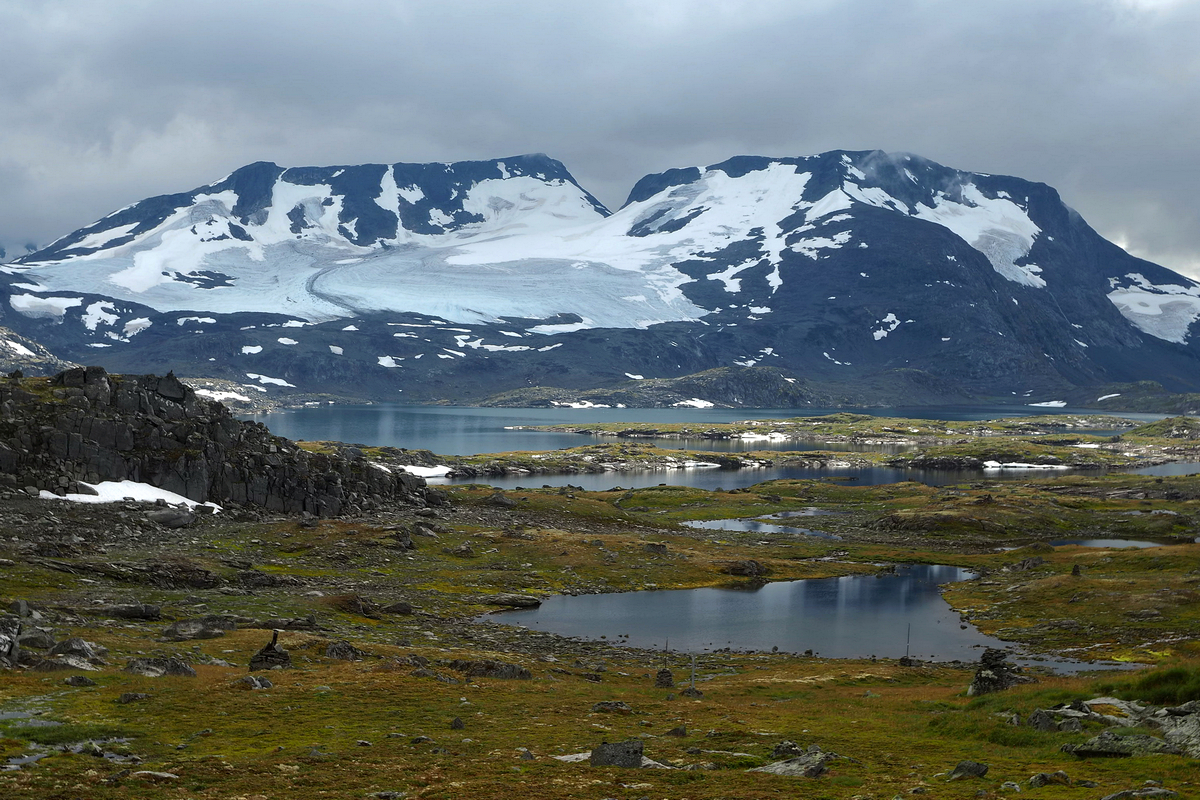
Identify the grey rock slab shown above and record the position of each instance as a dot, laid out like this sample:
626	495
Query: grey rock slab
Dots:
967	769
812	764
1110	745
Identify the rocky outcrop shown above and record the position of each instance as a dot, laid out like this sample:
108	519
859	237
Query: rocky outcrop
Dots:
87	426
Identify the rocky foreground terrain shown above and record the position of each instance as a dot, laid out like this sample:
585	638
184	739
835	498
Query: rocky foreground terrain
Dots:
321	634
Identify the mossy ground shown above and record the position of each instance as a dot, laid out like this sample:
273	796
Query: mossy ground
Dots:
901	726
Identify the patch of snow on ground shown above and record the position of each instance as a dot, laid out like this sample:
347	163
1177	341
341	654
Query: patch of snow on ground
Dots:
267	379
439	471
580	404
136	326
287	341
198	320
1050	404
888	324
812	247
695	402
350	328
631	376
18	348
97	240
996	465
116	491
251	349
998	228
221	396
101	312
337	351
1107	397
388	361
38	307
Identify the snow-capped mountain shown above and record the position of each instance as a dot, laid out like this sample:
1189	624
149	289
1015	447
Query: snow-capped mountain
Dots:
459	280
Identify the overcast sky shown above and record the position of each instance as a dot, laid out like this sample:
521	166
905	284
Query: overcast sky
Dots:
105	102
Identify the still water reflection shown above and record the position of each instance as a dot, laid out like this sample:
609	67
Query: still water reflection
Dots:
850	617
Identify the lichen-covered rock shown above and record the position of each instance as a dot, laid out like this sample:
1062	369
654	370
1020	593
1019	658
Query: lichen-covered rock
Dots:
160	667
812	764
1115	745
967	769
626	754
488	668
344	651
209	627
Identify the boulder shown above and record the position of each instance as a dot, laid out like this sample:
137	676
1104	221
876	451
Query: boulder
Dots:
128	611
36	638
399	607
488	668
1041	779
612	707
1186	735
63	664
209	627
787	749
160	667
1115	745
1146	791
968	769
10	634
1041	720
626	754
90	652
344	651
172	516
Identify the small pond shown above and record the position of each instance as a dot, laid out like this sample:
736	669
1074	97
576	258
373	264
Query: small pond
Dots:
757	526
850	617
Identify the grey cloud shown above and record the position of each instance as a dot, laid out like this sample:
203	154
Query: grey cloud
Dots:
108	102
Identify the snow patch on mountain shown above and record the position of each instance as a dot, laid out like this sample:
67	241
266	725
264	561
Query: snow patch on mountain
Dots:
1164	311
996	227
39	307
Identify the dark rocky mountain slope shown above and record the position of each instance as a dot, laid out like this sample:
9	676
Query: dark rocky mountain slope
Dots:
85	426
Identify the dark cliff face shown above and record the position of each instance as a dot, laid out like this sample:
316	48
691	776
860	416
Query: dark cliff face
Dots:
87	426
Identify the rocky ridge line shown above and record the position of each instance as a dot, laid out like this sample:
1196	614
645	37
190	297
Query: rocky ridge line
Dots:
87	426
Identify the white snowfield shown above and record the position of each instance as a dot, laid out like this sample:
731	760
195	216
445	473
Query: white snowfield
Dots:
542	249
1165	311
116	491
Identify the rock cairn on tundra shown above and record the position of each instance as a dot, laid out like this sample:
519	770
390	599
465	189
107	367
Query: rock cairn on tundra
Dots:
88	426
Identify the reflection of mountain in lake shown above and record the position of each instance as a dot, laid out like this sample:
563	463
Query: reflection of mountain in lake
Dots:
849	617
